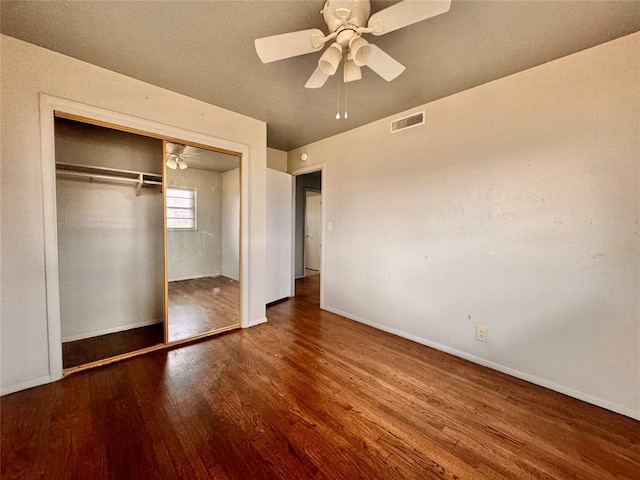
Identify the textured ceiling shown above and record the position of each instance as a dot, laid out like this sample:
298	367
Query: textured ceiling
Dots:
209	160
205	50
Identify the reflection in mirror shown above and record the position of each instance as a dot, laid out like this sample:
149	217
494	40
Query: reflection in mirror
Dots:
203	240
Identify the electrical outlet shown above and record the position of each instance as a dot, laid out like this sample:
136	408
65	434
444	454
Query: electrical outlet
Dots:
481	334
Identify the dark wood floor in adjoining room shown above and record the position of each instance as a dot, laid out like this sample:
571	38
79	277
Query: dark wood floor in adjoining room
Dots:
308	395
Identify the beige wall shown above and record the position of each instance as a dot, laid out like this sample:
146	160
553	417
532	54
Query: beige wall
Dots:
28	70
277	159
230	226
197	253
515	207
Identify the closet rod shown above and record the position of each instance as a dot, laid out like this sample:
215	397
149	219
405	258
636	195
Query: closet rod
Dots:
99	176
74	167
140	179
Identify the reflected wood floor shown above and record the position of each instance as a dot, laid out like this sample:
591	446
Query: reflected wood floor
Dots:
79	352
202	305
308	395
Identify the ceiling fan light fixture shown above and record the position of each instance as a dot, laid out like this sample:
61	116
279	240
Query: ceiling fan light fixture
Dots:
172	162
330	59
352	71
182	164
360	51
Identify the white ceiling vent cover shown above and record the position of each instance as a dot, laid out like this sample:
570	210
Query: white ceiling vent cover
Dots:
413	120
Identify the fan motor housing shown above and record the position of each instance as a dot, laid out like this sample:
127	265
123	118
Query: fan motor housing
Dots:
354	12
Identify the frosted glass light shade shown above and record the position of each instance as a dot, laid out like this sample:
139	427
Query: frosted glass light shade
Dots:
330	59
360	51
172	162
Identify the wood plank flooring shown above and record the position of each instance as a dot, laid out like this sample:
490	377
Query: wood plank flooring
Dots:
80	352
195	306
308	395
202	305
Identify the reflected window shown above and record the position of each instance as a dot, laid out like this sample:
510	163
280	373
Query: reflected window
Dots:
181	208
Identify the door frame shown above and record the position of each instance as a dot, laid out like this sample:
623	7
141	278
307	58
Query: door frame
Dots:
50	107
319	167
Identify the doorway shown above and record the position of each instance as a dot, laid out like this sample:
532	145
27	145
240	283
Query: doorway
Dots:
308	233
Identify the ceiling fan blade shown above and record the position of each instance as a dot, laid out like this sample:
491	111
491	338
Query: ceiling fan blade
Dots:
286	45
406	13
384	65
317	79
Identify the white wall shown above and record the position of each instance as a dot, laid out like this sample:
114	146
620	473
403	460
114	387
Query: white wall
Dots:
277	159
28	70
110	258
515	207
279	232
197	253
110	250
230	226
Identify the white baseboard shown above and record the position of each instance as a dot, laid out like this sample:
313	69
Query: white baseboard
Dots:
105	331
585	397
34	382
194	277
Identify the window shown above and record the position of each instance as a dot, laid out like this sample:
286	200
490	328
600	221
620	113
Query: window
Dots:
181	208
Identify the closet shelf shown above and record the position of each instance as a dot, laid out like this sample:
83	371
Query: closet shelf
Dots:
109	175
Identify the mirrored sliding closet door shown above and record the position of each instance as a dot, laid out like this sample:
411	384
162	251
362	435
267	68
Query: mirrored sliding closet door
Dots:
202	218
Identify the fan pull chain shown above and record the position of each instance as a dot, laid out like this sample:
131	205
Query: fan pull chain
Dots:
338	100
346	90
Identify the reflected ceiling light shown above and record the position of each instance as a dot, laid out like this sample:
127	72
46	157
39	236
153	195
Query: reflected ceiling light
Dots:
172	161
330	59
175	156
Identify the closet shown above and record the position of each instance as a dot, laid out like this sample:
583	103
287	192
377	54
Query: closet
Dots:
119	242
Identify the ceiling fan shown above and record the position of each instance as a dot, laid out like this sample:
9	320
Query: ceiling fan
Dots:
175	156
347	22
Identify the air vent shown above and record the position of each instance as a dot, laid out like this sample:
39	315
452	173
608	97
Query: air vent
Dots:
407	122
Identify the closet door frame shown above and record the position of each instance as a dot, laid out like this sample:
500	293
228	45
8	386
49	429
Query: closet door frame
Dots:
52	107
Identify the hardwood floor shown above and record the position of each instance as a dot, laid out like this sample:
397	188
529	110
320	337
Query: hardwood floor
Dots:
202	305
91	349
195	306
308	395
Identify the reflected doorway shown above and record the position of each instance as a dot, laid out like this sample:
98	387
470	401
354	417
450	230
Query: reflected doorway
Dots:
203	240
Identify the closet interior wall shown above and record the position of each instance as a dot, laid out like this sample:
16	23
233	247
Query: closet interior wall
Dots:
110	234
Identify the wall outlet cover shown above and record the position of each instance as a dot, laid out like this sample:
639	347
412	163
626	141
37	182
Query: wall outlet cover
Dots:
481	334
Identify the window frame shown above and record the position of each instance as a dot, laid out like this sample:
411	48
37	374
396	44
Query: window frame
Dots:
194	208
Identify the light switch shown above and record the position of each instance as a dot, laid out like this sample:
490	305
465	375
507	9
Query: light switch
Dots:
329	226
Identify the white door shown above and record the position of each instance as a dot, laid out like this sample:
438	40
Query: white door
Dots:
312	231
279	231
